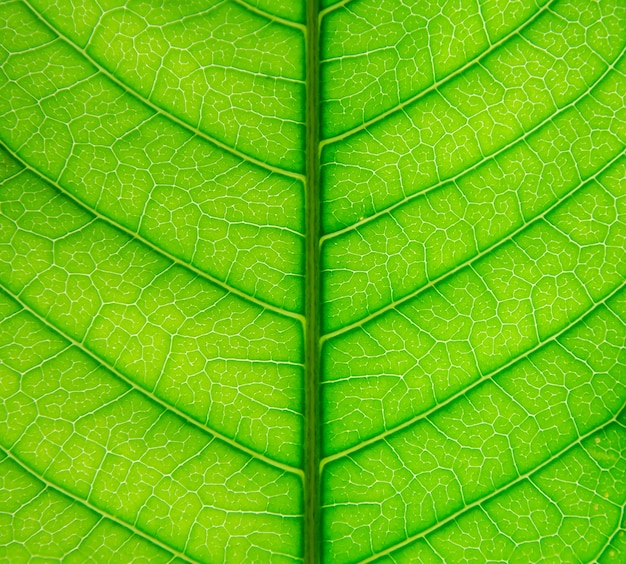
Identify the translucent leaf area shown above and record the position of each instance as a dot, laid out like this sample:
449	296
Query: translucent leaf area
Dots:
334	284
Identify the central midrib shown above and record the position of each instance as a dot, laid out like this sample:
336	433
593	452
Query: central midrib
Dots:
312	522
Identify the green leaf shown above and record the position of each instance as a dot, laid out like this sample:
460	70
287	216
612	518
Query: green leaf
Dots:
283	282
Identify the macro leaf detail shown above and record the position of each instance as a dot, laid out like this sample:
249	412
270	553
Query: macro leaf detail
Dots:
338	283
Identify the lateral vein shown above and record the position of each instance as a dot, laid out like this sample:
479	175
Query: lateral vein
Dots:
103	513
161	111
137	236
146	393
481	380
479	502
438	83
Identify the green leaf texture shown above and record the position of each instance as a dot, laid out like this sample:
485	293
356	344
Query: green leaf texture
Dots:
339	283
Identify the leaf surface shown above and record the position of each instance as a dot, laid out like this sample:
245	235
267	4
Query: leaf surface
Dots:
341	284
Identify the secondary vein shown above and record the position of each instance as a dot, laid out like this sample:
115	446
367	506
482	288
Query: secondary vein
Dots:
550	118
132	92
479	502
481	380
137	236
146	393
435	86
96	509
474	259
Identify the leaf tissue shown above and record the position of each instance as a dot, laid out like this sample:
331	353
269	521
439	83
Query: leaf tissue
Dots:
333	281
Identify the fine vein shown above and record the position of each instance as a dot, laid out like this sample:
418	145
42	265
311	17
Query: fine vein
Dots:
136	235
196	424
158	109
135	530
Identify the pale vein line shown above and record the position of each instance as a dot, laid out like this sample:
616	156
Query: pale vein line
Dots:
547	120
332	8
464	264
137	236
79	547
438	83
64	491
479	502
267	15
483	378
161	111
188	419
483	21
610	538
